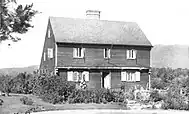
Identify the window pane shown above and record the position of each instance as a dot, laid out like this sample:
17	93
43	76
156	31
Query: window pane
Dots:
131	53
105	52
79	52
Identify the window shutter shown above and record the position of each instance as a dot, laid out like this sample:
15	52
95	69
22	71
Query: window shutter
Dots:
127	54
128	76
70	75
75	76
82	52
74	52
86	75
134	54
137	76
133	76
109	53
123	76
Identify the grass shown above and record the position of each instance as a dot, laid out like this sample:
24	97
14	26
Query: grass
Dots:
12	104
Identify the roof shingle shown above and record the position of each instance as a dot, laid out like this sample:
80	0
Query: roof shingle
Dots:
72	30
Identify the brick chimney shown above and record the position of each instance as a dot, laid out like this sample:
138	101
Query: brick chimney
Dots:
93	14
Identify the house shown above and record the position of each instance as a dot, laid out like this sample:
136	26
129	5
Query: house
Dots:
107	54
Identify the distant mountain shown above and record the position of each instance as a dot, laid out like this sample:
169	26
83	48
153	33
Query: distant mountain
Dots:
174	56
15	71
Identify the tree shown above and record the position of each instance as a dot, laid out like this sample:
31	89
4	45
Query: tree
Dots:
5	84
17	20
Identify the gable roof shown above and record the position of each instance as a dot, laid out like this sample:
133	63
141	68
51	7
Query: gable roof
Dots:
72	30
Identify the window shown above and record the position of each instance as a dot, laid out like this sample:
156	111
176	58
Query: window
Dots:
77	76
49	33
130	76
131	54
44	56
78	52
50	52
106	53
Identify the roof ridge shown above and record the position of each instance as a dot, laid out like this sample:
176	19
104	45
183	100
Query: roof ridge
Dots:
93	19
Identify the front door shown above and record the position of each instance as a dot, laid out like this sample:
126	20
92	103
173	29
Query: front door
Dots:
106	80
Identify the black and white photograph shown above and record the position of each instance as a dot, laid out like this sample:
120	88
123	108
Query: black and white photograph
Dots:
94	56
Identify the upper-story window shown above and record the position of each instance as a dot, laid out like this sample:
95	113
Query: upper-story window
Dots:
78	52
106	53
131	54
49	33
50	52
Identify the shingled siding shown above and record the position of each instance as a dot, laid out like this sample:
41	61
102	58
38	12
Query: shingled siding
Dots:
94	78
116	83
94	56
49	63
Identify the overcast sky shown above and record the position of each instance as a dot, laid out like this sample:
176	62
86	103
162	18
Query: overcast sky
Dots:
162	21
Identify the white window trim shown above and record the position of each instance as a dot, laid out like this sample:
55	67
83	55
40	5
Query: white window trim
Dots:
70	76
108	54
130	76
76	52
132	52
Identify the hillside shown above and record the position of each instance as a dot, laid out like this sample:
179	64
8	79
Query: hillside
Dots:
15	71
174	56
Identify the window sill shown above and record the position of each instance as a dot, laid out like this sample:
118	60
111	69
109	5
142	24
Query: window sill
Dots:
130	81
106	58
131	58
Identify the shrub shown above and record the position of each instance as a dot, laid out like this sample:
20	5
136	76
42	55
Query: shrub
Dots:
175	100
53	89
27	101
175	103
95	96
5	84
155	96
129	95
22	83
118	96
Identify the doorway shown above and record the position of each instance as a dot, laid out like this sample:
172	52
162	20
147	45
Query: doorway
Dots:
106	80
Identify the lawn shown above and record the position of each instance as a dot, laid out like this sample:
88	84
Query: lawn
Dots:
12	105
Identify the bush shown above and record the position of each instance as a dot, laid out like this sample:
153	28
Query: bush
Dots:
175	103
22	83
5	84
175	100
54	89
155	96
95	96
27	101
129	95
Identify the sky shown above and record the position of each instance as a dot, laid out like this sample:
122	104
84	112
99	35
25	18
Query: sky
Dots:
163	22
